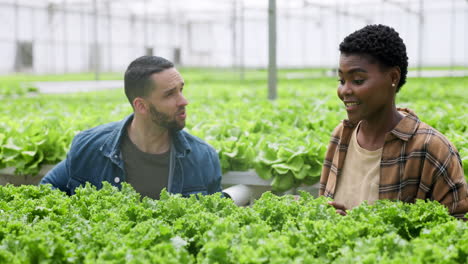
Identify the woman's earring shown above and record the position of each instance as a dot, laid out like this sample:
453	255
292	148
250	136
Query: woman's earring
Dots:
393	85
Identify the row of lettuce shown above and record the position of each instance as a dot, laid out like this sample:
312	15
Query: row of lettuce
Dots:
41	225
283	140
21	84
13	88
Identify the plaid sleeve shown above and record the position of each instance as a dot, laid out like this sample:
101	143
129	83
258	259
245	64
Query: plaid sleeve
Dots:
329	155
449	184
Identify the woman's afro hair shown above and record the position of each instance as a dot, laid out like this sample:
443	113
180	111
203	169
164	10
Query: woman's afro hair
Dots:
380	42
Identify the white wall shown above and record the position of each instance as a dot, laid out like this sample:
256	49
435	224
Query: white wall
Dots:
307	37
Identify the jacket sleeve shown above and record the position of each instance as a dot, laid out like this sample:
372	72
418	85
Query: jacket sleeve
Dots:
58	177
215	185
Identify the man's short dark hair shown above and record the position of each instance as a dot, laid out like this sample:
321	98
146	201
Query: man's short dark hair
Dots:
137	79
381	43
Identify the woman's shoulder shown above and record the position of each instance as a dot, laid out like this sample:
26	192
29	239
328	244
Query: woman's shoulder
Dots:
421	134
343	125
432	139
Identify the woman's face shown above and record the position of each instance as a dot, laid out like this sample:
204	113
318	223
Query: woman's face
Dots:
365	88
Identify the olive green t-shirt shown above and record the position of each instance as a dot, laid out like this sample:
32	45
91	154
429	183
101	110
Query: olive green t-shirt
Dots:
147	173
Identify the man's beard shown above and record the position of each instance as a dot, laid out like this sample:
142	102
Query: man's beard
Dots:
164	120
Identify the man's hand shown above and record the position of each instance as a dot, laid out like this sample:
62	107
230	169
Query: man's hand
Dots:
340	208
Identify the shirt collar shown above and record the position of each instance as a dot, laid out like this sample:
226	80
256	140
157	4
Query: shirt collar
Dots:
182	147
404	130
407	126
111	147
180	143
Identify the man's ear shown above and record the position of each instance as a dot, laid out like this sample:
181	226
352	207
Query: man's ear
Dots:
140	105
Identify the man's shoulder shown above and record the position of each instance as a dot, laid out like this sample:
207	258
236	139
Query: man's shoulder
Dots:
197	142
102	129
96	136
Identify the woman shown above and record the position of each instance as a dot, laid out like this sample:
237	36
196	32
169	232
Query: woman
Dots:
381	151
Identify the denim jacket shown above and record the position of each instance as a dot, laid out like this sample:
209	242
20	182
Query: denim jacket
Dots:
95	157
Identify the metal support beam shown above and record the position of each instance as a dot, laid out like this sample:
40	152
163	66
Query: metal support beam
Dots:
420	36
272	69
234	34
96	54
242	44
65	35
338	11
15	31
51	11
466	36
452	37
109	35
84	44
145	26
404	8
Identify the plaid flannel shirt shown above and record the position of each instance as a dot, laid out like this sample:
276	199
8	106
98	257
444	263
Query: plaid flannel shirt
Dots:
418	162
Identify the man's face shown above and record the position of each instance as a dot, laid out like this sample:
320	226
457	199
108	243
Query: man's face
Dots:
167	104
164	120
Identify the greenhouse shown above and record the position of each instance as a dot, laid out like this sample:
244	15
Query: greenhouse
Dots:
234	131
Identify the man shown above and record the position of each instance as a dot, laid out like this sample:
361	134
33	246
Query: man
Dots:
148	149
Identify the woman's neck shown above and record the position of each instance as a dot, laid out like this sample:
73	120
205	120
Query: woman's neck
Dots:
372	131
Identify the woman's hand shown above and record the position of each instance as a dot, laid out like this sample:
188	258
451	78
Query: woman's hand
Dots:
340	208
